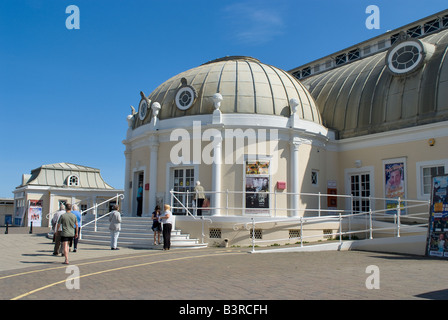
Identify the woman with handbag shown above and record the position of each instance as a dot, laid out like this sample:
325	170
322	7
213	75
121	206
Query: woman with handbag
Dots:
167	222
156	225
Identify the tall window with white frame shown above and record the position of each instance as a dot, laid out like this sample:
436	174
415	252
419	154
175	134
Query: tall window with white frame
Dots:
427	174
425	170
183	188
360	189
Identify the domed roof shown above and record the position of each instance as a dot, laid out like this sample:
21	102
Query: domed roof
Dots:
406	85
246	85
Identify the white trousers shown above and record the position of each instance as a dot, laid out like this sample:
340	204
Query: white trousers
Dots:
114	239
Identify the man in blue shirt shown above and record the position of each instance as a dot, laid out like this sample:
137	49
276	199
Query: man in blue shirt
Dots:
139	199
76	212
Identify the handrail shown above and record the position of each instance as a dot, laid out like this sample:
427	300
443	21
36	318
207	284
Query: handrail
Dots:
51	214
398	226
95	206
190	214
396	212
273	210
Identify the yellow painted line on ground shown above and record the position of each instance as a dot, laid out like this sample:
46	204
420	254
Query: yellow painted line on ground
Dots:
87	263
122	268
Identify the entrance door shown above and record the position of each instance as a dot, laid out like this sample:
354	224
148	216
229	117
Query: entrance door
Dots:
137	199
360	188
183	181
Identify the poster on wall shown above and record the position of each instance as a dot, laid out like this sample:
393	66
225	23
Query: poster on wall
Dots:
395	184
35	213
257	167
257	186
332	201
437	244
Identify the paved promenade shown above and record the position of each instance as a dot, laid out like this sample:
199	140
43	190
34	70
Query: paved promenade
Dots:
28	270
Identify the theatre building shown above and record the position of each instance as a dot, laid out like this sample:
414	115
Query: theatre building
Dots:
368	121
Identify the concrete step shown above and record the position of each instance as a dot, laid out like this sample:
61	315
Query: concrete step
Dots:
147	244
135	232
133	236
129	233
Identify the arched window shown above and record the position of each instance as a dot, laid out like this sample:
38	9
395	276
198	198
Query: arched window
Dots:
73	181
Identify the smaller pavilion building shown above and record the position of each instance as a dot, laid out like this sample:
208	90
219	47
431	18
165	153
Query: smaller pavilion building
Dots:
47	187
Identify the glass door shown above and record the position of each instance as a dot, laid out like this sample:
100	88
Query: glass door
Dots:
183	181
360	189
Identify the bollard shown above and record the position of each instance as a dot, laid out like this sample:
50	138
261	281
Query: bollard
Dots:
31	227
6	231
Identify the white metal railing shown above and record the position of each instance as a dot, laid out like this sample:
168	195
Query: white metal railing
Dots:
51	214
95	213
280	200
404	213
203	219
370	216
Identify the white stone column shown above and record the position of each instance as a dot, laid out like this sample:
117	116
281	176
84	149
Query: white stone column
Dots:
217	160
154	149
126	204
294	159
216	176
50	209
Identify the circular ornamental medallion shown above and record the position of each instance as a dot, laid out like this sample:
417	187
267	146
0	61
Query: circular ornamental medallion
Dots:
185	97
406	57
142	109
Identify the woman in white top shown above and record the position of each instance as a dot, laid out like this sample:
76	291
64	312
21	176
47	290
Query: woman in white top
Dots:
167	222
114	227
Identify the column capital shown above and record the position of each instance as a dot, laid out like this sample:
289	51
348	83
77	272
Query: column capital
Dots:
295	142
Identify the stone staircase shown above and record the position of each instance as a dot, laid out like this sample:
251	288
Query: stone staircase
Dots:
135	233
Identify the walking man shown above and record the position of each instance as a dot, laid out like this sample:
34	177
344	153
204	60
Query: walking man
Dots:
57	235
69	226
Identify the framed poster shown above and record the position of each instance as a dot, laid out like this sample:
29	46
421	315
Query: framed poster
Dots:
35	213
437	242
257	186
394	183
332	201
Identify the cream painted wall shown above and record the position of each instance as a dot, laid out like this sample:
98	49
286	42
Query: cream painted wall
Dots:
330	160
414	152
232	175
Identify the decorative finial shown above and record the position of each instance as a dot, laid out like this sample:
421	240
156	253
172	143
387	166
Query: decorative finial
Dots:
155	109
130	119
294	103
217	114
217	98
155	112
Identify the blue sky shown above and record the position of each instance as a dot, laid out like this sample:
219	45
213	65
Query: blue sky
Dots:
65	94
